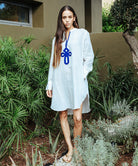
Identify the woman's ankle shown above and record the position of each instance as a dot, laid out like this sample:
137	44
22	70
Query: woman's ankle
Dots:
70	150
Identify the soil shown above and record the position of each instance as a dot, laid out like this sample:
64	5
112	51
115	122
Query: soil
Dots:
42	144
125	158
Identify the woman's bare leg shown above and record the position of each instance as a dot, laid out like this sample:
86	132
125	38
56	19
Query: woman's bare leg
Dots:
77	116
66	131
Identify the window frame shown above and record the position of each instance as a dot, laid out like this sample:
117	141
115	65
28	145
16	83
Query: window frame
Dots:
15	22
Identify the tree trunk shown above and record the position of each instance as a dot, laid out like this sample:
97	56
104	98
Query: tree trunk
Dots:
133	45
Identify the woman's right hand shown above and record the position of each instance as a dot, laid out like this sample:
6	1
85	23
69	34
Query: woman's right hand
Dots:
49	93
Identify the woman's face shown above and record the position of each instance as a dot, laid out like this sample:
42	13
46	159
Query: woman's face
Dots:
67	19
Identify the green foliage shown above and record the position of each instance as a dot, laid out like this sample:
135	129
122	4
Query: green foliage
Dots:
107	24
12	128
28	39
118	85
135	157
95	87
120	132
97	153
100	137
23	76
53	146
107	103
120	109
125	14
36	159
121	81
98	145
125	164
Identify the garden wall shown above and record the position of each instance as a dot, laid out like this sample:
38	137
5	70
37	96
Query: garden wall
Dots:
112	48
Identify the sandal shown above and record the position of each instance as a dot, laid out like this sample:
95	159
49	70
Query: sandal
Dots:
67	158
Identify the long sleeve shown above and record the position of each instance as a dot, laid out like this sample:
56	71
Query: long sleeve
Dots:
50	73
88	55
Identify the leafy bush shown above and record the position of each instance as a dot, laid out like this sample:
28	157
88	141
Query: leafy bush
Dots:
120	84
97	153
107	22
121	81
23	76
124	14
135	157
118	132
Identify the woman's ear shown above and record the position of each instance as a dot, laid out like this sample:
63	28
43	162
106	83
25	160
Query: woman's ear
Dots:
74	18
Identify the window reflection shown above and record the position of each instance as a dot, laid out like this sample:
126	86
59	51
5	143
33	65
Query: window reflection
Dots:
13	12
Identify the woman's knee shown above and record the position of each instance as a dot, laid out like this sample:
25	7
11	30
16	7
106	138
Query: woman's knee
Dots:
77	119
63	115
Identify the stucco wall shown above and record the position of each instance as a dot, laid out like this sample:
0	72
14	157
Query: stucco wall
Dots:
47	21
112	48
111	45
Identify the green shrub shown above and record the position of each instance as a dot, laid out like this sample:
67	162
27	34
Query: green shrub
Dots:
120	84
135	157
107	22
23	77
121	81
122	130
124	14
97	153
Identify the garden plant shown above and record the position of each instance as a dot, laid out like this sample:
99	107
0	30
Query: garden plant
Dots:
125	14
114	116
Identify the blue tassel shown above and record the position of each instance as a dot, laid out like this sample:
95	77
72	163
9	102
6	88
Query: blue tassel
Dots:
66	52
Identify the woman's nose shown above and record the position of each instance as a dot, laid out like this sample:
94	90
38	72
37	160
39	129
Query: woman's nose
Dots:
67	19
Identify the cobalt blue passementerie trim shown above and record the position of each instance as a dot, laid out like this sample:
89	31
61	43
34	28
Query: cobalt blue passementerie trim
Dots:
66	52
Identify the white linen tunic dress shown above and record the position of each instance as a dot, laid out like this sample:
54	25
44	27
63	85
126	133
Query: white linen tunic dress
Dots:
68	81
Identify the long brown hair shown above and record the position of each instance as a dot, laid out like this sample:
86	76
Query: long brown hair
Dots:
59	34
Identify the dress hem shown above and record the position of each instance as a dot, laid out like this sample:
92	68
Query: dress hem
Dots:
70	110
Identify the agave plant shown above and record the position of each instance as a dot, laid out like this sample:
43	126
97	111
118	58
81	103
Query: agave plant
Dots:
36	159
53	146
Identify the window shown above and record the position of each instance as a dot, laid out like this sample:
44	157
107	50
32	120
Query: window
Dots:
15	14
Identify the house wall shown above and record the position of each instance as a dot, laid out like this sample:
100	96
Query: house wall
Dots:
112	48
45	19
96	16
93	15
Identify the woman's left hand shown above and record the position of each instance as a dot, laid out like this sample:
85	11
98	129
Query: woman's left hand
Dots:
49	93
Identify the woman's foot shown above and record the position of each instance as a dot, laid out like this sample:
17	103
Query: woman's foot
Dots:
67	158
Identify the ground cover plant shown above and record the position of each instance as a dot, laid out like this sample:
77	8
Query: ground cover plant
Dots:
104	141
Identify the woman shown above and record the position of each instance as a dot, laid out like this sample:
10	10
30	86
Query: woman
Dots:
71	61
